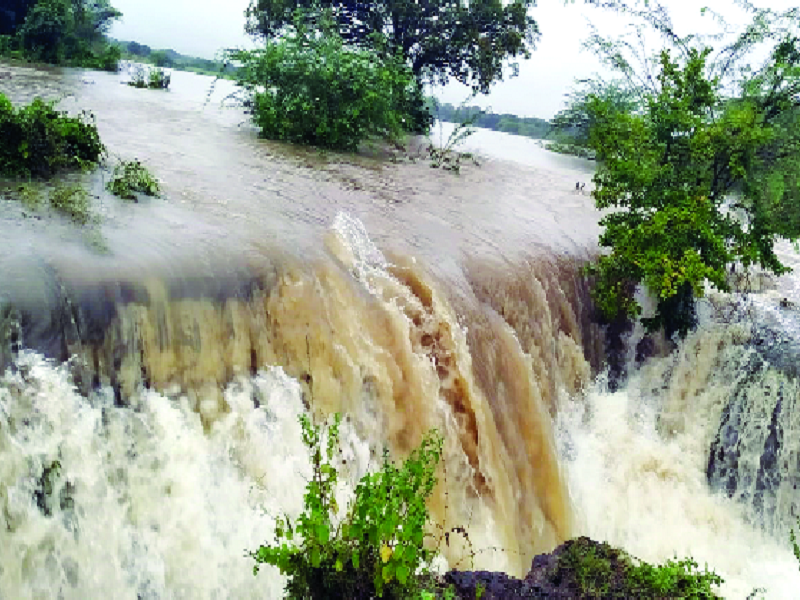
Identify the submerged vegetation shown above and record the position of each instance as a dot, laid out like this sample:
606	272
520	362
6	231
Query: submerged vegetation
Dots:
39	140
154	78
73	202
69	200
131	178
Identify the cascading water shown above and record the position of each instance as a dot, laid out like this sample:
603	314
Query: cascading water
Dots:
643	474
158	440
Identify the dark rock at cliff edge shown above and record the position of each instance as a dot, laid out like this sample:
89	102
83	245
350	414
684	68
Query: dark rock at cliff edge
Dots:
579	568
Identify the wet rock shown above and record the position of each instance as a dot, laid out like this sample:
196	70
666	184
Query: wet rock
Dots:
778	348
646	348
579	568
754	456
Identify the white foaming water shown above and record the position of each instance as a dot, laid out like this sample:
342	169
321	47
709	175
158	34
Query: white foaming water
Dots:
146	503
639	489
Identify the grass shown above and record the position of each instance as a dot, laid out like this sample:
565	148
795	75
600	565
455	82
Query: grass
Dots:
72	201
597	571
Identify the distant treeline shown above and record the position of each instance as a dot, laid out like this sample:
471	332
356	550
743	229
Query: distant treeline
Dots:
532	127
172	59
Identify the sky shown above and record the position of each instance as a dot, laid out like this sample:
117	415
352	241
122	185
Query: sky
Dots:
202	27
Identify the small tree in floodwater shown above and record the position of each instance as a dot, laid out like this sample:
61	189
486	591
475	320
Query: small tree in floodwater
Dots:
309	87
695	181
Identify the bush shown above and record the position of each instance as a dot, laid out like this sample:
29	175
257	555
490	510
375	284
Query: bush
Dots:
38	140
315	90
593	570
108	60
131	178
148	77
378	548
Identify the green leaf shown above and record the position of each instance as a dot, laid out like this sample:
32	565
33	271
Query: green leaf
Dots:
402	573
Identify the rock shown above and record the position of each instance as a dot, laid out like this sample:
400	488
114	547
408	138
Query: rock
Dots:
579	568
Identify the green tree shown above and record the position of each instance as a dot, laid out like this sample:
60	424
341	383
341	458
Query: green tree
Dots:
313	89
702	172
64	31
47	29
573	123
683	182
160	58
469	41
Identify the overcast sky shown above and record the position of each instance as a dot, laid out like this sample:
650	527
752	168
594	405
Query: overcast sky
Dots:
202	27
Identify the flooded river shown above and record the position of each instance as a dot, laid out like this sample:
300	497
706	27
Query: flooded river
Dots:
163	369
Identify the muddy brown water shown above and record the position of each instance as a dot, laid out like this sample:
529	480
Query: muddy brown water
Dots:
404	296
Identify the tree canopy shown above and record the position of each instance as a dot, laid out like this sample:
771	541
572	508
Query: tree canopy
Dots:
58	31
702	171
440	39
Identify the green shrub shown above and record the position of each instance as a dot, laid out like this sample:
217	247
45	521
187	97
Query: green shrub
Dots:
108	59
597	570
793	540
6	44
316	90
378	548
38	140
130	178
154	78
572	149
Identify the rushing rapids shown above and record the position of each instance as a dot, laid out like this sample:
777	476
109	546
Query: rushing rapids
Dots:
148	431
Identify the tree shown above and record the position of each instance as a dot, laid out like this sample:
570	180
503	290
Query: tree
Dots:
160	59
686	178
469	41
573	124
702	172
314	89
56	31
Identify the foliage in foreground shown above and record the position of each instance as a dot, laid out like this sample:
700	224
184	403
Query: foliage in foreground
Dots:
38	140
793	541
377	549
313	89
131	178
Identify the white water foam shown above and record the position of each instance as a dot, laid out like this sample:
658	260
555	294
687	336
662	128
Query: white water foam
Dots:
147	503
638	490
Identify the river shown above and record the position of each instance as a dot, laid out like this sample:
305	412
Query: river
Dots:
163	370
